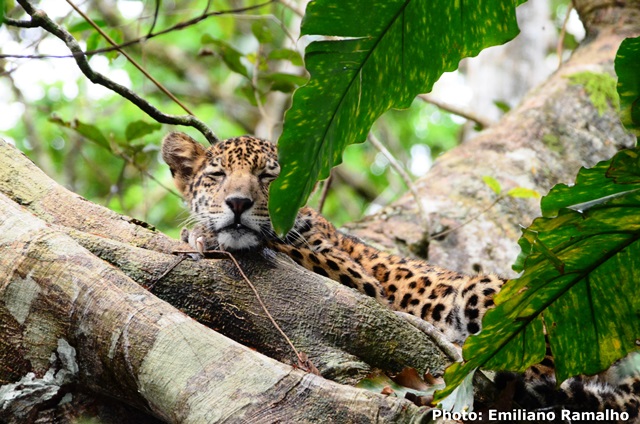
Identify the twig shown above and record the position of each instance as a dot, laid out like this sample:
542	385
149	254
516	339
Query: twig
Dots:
454	353
178	26
563	32
404	176
43	21
156	13
181	257
473	218
303	359
147	173
129	58
264	307
481	121
325	191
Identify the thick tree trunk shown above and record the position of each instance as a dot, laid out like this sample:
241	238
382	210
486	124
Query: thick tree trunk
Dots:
117	339
555	130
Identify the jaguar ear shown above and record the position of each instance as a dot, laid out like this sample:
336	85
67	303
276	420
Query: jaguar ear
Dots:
184	156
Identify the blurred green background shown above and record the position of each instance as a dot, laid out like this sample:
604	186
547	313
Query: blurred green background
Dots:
235	70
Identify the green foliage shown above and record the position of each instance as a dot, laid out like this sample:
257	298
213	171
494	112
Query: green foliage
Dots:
601	89
627	66
85	26
523	193
94	142
230	56
90	132
390	54
286	54
139	129
492	183
581	266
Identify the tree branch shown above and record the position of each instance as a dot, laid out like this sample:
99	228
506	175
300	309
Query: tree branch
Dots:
404	176
178	26
122	342
19	24
338	328
42	20
467	114
129	58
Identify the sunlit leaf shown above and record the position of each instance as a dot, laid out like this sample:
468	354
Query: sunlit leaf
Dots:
139	129
461	398
492	183
387	55
590	302
523	192
627	66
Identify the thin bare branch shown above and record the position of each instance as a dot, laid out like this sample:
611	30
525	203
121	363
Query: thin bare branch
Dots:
303	359
264	307
404	176
563	32
467	114
156	13
176	27
473	218
129	58
325	191
42	20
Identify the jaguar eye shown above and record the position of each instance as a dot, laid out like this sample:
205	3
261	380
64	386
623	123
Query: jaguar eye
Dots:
215	175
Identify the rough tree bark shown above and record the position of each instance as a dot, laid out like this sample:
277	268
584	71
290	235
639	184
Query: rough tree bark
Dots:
69	269
544	141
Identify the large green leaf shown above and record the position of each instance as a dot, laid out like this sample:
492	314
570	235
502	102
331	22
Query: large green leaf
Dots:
593	186
628	70
391	51
581	273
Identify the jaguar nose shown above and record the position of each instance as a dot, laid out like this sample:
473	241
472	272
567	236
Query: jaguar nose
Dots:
238	205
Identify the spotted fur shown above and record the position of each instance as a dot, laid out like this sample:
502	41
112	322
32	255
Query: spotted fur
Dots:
226	187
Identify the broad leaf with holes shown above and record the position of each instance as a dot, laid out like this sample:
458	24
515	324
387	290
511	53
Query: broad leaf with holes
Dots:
581	265
388	52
